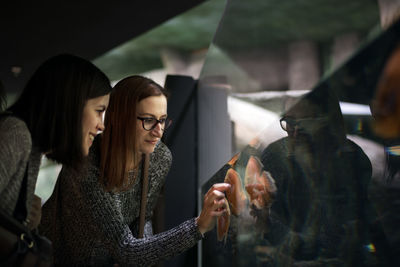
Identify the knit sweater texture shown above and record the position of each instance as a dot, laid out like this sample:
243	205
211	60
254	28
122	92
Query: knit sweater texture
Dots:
92	227
16	154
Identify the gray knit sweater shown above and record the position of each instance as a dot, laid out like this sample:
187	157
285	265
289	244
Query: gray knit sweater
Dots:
16	151
91	227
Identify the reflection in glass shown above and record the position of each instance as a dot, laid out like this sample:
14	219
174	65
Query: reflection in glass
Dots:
309	177
321	211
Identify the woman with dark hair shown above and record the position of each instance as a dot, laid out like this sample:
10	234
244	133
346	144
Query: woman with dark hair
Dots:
93	216
58	115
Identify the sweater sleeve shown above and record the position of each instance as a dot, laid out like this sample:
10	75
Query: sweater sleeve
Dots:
117	237
15	147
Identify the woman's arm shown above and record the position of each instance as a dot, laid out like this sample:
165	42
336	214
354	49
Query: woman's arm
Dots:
124	247
116	235
101	212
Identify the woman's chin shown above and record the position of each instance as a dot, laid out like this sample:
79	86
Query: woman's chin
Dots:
85	151
148	149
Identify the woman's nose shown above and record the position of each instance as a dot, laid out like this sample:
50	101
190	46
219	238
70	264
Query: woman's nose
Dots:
101	126
158	130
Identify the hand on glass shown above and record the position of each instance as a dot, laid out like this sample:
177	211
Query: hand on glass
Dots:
213	207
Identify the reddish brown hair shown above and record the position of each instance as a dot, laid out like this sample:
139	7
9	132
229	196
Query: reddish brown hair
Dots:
386	103
118	142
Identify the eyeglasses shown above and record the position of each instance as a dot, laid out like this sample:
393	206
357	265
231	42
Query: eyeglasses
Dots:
288	124
151	123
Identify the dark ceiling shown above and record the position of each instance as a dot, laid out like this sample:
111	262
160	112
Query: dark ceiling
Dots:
32	31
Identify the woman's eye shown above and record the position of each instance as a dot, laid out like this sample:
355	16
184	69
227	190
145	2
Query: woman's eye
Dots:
163	120
149	120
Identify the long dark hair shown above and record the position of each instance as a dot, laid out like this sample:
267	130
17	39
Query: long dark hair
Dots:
52	104
3	102
118	141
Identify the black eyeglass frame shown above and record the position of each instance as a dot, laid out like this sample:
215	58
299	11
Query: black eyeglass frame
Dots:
291	123
286	120
165	121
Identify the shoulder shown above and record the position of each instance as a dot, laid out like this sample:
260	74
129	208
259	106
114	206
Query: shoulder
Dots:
12	123
275	149
161	159
162	153
350	147
356	152
15	132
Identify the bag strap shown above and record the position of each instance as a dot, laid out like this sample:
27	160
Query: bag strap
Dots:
143	202
20	211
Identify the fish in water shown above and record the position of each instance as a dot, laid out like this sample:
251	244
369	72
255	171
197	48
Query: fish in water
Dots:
223	222
260	191
259	184
235	196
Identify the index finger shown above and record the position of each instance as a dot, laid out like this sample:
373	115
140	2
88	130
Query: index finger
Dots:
222	187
